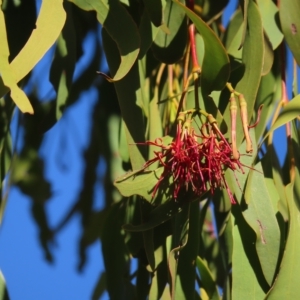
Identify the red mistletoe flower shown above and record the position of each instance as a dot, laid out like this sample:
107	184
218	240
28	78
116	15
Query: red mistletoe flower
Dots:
195	161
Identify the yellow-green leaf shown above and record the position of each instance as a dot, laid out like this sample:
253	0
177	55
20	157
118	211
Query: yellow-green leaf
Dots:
8	77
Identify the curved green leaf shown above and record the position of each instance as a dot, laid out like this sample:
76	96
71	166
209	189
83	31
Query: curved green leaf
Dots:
41	39
122	29
288	113
290	25
215	68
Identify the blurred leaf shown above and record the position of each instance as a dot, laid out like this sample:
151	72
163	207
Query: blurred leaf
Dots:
286	285
160	276
207	281
186	271
215	67
3	290
157	216
211	10
260	215
170	42
121	28
142	282
269	14
41	39
8	77
63	65
5	158
115	255
290	25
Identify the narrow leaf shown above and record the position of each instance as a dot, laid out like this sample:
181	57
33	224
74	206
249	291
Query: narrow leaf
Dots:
288	113
8	78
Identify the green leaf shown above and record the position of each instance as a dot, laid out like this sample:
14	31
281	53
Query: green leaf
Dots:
286	285
215	68
260	215
40	41
268	94
121	28
268	56
288	113
207	281
8	77
147	33
245	21
155	11
159	215
290	25
115	254
141	183
63	65
269	12
246	282
187	226
170	42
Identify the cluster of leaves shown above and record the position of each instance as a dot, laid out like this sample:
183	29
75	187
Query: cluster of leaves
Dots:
198	245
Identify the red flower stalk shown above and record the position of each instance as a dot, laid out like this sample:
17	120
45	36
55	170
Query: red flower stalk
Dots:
194	161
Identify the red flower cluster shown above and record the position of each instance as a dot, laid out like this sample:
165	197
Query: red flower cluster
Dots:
196	161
